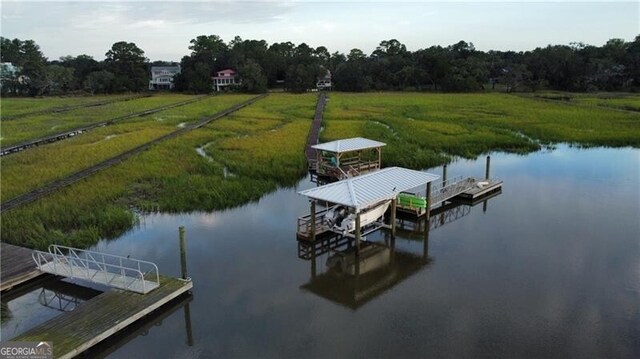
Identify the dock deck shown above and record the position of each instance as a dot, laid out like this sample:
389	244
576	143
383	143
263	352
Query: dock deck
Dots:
103	316
17	266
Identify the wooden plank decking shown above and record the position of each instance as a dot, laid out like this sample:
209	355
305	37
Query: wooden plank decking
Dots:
16	266
101	317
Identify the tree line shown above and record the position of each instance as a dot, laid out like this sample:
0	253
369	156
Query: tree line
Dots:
614	66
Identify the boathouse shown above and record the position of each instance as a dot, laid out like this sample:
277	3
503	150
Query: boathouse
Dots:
347	158
358	203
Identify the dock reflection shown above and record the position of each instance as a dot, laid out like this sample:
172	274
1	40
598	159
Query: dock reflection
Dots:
352	278
143	326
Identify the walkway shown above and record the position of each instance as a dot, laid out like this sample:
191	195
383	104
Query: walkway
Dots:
76	131
314	134
101	317
16	266
71	179
74	107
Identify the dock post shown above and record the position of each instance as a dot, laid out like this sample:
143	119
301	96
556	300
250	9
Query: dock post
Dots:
427	211
358	233
183	252
313	220
444	175
393	216
486	172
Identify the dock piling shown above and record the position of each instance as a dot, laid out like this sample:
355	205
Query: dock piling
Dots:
357	233
444	175
183	252
428	209
313	220
486	173
394	203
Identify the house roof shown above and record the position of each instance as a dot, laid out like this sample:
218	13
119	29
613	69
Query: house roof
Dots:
165	68
367	190
348	144
226	71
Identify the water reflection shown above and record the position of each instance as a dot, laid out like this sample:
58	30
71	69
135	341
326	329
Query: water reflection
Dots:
39	300
353	280
144	327
550	269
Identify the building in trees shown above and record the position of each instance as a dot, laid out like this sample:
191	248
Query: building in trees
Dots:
324	82
224	79
162	77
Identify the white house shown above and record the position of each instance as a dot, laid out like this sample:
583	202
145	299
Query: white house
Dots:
162	77
324	83
225	78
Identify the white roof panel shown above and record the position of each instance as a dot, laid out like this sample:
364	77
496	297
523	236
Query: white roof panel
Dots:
372	188
348	144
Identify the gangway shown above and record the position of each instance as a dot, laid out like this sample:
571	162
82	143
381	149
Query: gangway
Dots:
116	271
451	188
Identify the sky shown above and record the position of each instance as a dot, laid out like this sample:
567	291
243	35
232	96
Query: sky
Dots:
163	29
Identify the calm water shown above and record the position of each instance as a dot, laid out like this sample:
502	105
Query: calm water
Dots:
551	268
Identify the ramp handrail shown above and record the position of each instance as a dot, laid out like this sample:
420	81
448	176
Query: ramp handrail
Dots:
95	264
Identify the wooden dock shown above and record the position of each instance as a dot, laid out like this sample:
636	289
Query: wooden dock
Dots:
103	316
17	266
477	192
314	133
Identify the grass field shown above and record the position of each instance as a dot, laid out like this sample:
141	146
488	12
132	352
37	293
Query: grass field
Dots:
37	126
614	100
241	157
172	176
50	162
425	130
13	106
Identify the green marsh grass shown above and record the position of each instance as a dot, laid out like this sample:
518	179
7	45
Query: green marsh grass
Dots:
261	144
37	126
27	170
424	130
12	106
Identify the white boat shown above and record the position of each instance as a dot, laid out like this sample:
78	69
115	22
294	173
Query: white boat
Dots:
340	220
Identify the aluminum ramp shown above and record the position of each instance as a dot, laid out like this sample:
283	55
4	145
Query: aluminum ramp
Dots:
115	271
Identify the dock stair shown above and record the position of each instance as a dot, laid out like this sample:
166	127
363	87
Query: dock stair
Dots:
116	271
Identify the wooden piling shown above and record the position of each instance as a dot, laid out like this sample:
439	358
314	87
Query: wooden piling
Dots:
358	233
394	203
183	252
444	175
486	173
428	209
313	221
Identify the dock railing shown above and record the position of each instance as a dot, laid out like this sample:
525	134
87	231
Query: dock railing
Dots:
304	222
116	271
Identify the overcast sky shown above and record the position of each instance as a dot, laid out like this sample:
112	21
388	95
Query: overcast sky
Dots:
163	29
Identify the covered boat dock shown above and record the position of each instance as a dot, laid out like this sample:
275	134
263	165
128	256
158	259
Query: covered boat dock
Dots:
361	199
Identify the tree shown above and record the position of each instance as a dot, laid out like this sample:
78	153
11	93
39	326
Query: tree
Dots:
60	78
127	63
82	66
252	77
99	82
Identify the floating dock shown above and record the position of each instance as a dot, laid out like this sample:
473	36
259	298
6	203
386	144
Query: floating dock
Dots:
103	316
17	266
87	318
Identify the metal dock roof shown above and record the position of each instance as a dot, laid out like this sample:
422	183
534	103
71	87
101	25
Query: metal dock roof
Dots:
348	145
367	190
